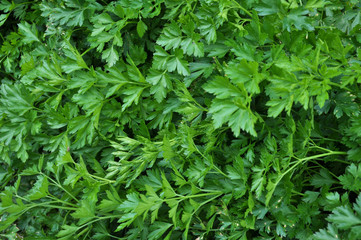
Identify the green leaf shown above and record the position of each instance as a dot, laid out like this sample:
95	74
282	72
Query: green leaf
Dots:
351	180
41	162
277	106
222	88
126	220
322	179
237	117
343	217
330	234
174	119
168	153
208	29
299	19
3	18
72	15
268	8
310	196
86	210
29	32
171	37
40	188
161	82
16	98
158	229
160	58
246	73
165	61
178	63
111	56
141	28
131	203
316	4
68	231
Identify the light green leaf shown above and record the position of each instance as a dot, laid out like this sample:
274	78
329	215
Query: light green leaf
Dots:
86	210
39	190
141	28
344	217
158	229
111	56
29	32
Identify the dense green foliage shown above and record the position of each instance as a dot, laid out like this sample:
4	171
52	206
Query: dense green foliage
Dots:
192	119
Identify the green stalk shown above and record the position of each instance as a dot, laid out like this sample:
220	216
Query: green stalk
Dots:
213	166
321	148
61	187
326	170
83	231
302	160
115	237
61	201
194	196
100	218
242	8
60	207
45	204
102	179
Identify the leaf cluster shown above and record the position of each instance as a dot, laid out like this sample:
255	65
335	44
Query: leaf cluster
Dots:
164	119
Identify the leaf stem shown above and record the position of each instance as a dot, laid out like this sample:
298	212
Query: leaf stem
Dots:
100	218
242	8
60	201
85	52
115	237
102	179
321	148
213	166
46	204
302	160
338	85
326	169
298	193
60	207
61	187
319	156
194	196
